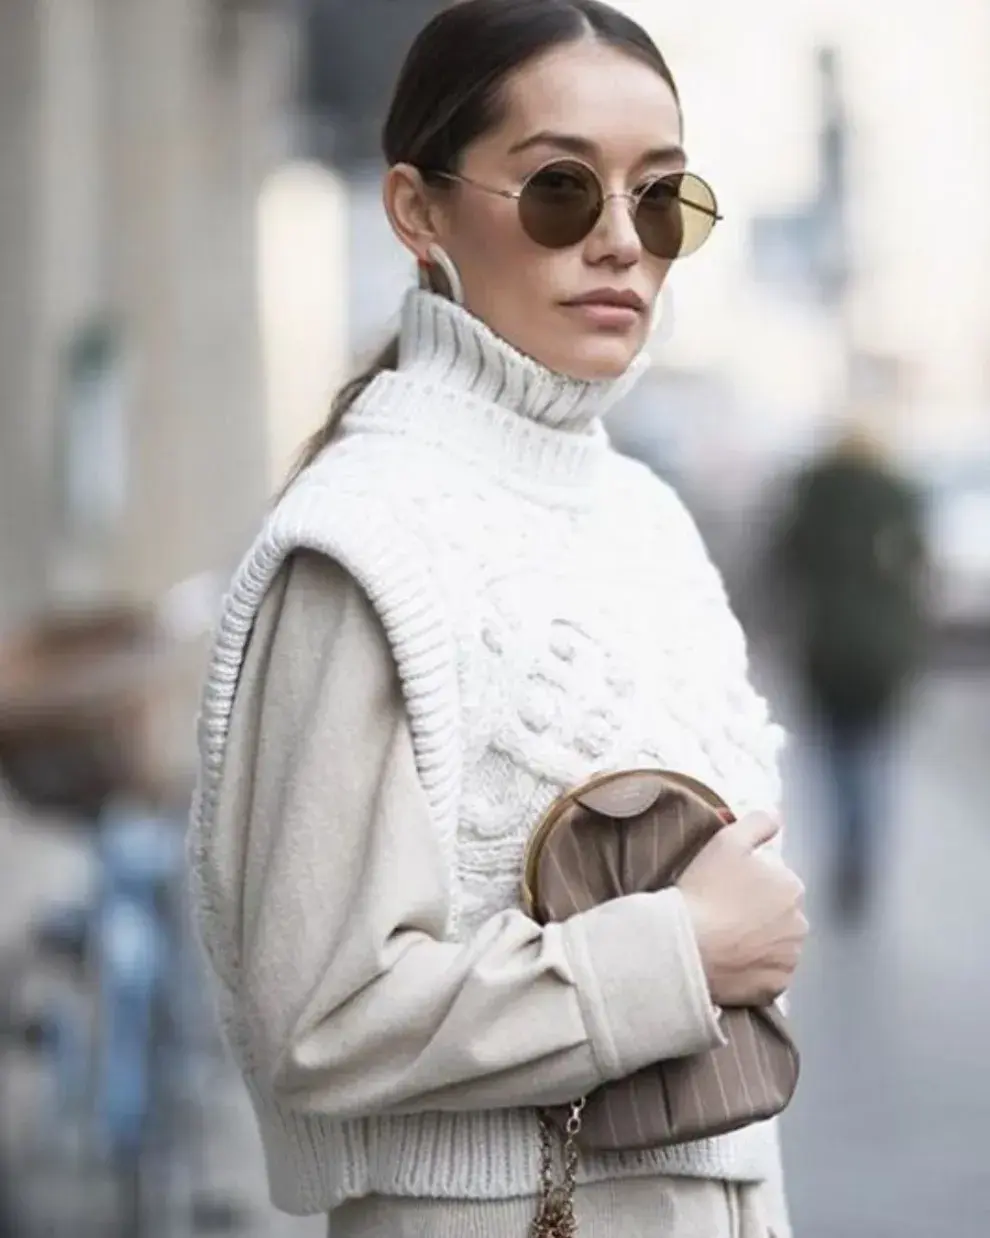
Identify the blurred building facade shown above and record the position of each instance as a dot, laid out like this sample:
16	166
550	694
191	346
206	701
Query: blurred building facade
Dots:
353	52
133	140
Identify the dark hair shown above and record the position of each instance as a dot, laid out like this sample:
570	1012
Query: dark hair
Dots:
449	94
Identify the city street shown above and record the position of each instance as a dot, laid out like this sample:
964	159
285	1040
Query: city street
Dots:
887	1137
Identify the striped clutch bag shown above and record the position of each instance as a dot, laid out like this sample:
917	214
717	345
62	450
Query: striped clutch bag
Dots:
633	832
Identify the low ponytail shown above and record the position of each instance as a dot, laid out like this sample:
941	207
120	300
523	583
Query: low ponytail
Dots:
387	359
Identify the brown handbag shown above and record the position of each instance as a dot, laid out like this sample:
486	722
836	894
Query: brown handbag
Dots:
627	833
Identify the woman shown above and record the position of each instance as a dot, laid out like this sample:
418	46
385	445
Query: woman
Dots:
464	603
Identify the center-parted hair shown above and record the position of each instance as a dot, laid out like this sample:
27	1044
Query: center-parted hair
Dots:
450	92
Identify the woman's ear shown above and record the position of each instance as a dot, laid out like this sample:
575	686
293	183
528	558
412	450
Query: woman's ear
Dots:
409	209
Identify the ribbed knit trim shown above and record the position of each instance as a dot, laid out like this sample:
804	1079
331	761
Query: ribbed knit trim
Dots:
520	455
314	1164
462	389
392	569
442	344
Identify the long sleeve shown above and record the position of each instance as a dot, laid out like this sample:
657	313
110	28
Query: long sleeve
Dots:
356	1003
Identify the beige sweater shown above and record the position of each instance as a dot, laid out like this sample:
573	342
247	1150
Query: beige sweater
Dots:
350	1014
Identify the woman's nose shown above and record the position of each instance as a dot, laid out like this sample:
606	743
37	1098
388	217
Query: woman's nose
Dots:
615	234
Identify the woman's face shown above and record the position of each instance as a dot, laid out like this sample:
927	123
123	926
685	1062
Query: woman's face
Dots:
612	112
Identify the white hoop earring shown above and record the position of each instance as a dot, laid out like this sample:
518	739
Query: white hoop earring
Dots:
439	257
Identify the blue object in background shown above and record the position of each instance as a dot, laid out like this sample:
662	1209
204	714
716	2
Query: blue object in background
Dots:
140	856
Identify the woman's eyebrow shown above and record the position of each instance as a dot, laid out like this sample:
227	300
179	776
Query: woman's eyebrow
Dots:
587	149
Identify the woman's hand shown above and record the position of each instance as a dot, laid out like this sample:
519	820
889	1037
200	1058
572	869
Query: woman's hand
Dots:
747	914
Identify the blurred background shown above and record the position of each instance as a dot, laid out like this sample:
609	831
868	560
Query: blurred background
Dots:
193	256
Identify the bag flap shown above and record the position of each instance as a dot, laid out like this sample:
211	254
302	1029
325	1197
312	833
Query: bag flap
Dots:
632	792
624	795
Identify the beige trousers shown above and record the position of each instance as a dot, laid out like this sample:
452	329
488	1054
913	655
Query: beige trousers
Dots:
631	1208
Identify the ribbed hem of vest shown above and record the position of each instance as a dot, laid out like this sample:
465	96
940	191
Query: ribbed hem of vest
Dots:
315	1164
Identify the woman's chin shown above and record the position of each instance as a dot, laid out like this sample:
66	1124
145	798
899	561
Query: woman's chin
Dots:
600	357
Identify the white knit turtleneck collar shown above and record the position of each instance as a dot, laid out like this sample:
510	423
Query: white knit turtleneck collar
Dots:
442	341
461	386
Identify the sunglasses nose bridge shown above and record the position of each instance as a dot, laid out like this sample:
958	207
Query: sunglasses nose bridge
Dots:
617	219
631	200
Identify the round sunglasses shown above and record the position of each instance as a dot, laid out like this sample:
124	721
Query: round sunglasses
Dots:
561	203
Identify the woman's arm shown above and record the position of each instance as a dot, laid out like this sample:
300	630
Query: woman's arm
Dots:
355	1002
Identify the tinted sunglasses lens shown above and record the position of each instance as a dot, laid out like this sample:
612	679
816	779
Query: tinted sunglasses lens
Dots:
675	215
560	204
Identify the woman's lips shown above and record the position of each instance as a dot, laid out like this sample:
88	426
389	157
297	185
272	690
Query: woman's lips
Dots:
605	314
615	309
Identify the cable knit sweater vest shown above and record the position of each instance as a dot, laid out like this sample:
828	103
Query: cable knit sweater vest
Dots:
552	613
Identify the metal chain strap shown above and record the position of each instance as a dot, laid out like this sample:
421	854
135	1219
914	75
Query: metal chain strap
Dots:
555	1211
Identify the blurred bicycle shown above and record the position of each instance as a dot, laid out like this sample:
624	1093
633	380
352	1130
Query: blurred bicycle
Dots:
117	1033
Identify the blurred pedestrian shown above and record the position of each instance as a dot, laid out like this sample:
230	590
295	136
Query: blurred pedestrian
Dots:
464	603
852	555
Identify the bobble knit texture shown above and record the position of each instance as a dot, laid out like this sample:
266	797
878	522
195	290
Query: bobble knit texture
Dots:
553	614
